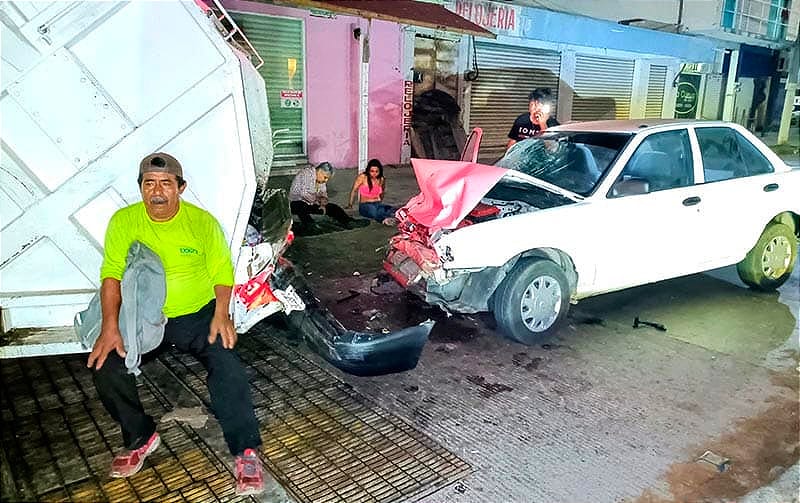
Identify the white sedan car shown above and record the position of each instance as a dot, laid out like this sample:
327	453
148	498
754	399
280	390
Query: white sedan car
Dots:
594	207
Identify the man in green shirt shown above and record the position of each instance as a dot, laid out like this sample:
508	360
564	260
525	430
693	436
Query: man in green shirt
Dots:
199	279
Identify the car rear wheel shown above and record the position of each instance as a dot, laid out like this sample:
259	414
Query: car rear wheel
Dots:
532	301
769	264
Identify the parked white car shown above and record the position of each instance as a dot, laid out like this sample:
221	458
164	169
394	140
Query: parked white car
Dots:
594	207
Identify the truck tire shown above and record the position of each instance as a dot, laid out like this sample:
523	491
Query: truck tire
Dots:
532	301
769	264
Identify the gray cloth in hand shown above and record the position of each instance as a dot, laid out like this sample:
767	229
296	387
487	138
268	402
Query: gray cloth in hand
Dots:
141	316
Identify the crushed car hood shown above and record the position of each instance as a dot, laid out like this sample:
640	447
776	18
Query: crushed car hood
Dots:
449	190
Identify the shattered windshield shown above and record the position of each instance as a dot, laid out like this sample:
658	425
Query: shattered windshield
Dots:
575	161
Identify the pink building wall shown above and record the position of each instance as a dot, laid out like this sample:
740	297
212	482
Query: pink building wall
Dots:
332	80
385	92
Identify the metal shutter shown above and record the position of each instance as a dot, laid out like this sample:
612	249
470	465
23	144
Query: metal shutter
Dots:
507	75
655	91
712	101
277	40
603	88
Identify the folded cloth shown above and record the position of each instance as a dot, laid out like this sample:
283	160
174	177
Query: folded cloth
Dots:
141	316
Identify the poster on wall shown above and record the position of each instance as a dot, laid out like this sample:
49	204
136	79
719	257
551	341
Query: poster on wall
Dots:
686	99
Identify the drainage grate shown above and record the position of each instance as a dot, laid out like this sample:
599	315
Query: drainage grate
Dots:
57	442
322	440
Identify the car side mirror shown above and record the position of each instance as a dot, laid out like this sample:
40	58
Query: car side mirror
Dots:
630	187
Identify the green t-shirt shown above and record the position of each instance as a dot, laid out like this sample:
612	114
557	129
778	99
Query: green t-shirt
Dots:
191	246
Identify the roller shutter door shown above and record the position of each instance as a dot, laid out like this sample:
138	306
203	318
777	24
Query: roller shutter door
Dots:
655	91
507	75
603	88
279	40
712	100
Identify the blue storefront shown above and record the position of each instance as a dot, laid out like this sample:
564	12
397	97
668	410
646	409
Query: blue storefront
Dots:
596	69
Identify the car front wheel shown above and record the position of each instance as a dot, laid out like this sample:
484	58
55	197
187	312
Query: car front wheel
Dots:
769	264
532	301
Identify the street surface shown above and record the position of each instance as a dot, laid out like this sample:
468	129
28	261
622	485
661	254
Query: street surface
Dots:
606	412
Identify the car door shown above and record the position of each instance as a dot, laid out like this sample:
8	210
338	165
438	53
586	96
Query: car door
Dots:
741	193
472	146
651	215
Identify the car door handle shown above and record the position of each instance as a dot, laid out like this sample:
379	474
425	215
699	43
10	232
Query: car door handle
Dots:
691	201
771	187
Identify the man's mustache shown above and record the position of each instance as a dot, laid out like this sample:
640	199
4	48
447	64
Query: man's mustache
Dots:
158	200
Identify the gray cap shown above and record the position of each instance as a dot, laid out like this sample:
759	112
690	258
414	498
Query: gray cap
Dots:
162	163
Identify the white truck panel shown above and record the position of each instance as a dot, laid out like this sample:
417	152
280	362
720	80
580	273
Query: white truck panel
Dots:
146	76
14	194
107	84
40	156
47	26
27	275
15	56
76	117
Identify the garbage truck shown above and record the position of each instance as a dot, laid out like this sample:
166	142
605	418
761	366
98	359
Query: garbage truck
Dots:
87	89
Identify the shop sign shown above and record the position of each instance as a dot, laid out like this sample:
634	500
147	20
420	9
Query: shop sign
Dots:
408	106
497	18
686	98
291	98
696	68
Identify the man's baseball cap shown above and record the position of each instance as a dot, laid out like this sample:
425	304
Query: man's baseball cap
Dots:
162	163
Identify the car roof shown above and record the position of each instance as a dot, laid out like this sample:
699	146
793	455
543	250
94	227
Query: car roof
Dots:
628	126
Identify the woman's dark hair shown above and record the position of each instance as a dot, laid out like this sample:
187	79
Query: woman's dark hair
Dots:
377	164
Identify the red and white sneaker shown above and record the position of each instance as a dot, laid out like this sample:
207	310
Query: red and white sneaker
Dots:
249	475
130	462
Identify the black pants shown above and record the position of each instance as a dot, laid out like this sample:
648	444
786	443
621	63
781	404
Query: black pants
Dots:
227	384
304	210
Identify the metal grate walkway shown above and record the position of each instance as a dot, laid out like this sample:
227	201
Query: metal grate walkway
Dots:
57	441
322	441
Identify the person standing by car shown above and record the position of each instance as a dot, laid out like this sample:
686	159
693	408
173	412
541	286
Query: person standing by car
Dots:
371	188
308	196
199	278
537	119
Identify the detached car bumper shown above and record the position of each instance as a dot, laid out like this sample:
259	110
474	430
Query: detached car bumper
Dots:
268	283
357	353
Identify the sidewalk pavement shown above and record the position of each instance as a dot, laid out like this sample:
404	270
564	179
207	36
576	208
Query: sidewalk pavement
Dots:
771	137
790	152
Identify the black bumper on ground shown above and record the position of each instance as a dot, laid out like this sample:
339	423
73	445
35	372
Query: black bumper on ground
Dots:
357	353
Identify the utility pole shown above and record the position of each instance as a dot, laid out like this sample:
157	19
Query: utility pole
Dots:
730	86
791	89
